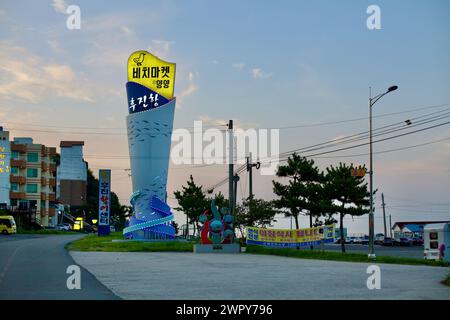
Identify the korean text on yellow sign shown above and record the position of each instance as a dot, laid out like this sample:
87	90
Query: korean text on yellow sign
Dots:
152	72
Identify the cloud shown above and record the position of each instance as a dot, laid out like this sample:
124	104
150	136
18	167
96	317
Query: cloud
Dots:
60	6
127	31
190	89
238	66
258	73
28	77
55	46
160	48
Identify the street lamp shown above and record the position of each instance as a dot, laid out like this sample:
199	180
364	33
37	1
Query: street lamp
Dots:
372	101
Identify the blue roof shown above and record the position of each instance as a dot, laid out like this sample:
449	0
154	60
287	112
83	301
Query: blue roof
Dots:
415	227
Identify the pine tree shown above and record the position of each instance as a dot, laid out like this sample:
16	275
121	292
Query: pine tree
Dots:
303	192
349	193
192	202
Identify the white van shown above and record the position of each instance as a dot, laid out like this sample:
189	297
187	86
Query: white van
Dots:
436	237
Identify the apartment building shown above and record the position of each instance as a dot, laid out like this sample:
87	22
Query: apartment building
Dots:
72	174
33	179
5	156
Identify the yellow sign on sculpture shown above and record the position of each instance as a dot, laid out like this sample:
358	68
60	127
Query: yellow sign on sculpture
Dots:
152	72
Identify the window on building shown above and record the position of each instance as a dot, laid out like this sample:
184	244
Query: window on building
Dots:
15	155
32	172
32	157
14	187
32	188
14	170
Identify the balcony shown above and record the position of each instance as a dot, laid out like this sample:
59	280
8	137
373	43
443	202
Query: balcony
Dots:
16	195
51	151
51	212
17	179
44	152
52	197
18	147
43	196
51	182
52	167
43	212
18	163
44	166
43	182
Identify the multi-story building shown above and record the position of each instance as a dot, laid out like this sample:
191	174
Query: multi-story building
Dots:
33	179
5	156
72	174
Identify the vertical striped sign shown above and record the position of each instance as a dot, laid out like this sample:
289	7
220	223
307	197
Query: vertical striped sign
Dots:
104	201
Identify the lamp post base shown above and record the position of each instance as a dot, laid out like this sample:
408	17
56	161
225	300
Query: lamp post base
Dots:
371	256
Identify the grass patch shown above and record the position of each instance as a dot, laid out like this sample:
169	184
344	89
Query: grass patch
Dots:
45	231
339	256
446	281
93	242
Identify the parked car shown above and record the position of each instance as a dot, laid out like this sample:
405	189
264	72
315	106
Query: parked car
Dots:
379	237
350	240
68	225
361	240
388	242
365	240
62	227
7	225
404	242
418	242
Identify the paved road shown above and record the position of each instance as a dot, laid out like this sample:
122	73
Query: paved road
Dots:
34	267
405	252
163	275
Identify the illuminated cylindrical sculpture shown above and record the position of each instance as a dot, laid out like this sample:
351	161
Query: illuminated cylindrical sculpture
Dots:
151	108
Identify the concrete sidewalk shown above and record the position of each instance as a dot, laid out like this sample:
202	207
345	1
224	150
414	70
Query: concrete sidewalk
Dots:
164	275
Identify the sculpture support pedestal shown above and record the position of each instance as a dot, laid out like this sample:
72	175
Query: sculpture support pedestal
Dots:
217	248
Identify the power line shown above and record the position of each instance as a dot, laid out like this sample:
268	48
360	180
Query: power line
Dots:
336	150
386	151
376	141
417	201
217	127
361	118
364	135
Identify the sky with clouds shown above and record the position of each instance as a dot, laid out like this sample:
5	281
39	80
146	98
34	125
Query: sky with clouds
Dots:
266	64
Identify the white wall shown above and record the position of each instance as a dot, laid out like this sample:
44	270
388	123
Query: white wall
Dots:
72	166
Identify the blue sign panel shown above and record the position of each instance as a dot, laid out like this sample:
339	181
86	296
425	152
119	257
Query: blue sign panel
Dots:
141	98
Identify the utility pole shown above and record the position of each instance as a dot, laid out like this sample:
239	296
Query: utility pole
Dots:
230	166
390	227
384	213
250	165
235	181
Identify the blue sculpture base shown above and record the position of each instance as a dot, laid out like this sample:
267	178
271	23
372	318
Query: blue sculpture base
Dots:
103	230
217	248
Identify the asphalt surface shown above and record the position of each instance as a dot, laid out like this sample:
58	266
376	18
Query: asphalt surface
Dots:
34	267
164	275
405	252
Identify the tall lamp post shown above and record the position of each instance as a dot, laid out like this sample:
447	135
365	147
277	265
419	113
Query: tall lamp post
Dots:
372	101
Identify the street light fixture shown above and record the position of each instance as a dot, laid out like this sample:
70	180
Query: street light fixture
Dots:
372	101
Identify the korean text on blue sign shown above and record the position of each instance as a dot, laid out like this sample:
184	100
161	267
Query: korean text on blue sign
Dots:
104	195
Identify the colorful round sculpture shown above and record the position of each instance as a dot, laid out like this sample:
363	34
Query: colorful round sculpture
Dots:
217	226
